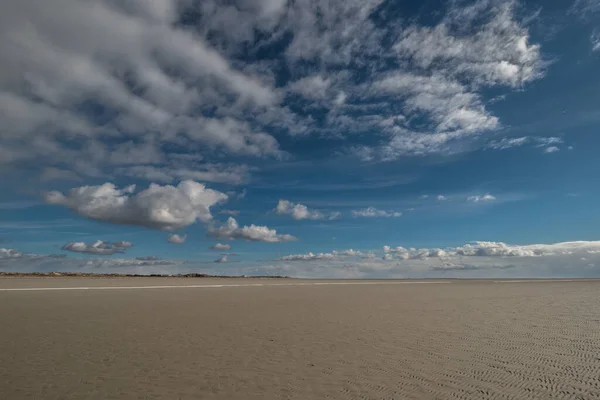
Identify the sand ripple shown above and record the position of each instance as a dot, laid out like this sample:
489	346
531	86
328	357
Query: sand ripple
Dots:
474	340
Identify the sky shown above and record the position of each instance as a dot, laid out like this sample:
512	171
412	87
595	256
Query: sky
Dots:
344	139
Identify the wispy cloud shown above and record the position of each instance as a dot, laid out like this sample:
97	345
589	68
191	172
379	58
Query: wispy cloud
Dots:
484	198
595	39
372	212
16	205
536	141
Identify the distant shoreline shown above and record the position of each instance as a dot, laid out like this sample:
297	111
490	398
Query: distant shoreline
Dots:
57	274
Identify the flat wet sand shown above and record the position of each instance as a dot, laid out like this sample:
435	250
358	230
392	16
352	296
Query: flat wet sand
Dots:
456	340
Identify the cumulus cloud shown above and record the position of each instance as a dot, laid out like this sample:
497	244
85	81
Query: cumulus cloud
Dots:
99	247
481	198
221	247
299	211
254	233
441	197
372	212
177	239
158	207
551	149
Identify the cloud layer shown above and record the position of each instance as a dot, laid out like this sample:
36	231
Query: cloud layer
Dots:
477	260
128	89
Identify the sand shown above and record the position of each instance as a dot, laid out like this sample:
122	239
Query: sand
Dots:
457	340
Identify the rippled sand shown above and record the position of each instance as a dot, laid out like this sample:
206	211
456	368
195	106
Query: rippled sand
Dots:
460	340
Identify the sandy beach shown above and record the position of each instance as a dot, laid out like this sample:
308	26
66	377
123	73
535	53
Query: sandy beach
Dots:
79	338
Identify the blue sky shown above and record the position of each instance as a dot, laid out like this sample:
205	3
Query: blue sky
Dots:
289	129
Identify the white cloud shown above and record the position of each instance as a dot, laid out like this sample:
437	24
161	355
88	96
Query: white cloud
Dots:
447	103
232	230
221	247
98	247
481	198
507	143
123	244
585	8
10	253
595	39
308	256
497	53
322	256
372	212
349	252
537	141
551	149
311	87
159	207
15	257
398	249
177	239
222	259
402	253
441	197
495	249
299	211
